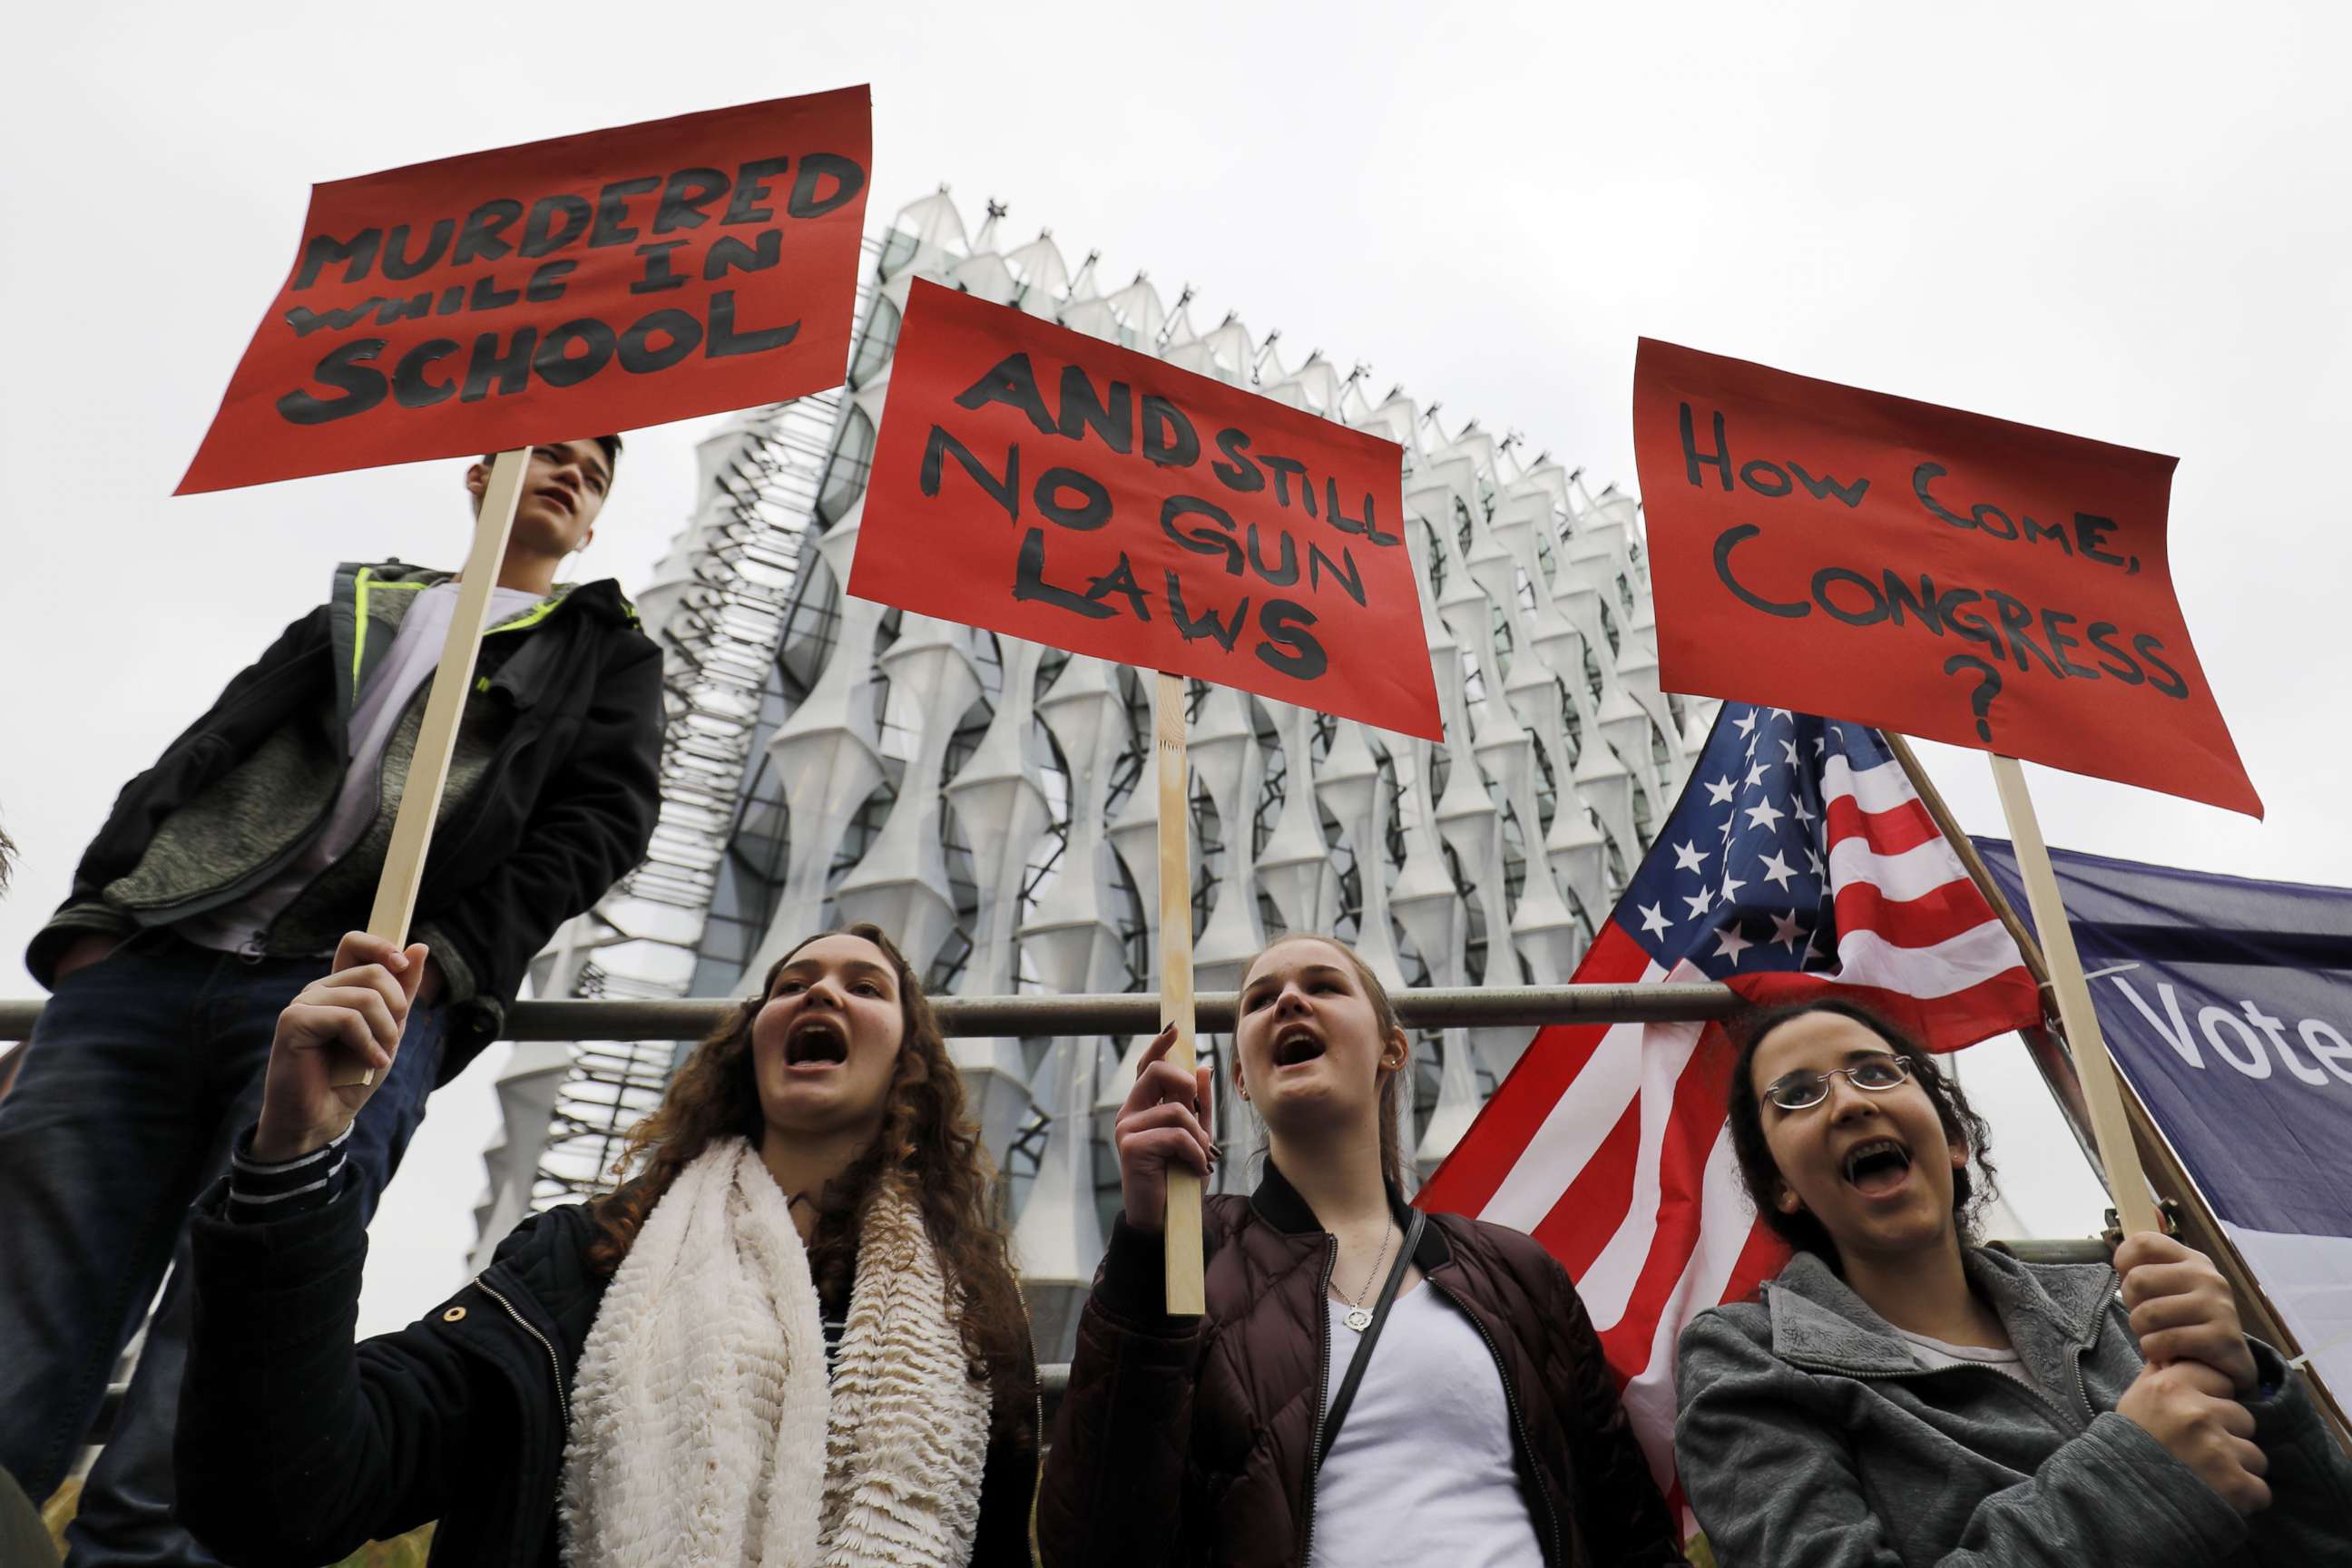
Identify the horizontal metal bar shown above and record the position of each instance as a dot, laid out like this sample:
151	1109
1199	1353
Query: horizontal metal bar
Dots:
1124	1013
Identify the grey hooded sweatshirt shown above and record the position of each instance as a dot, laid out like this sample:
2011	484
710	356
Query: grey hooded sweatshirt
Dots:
1810	1437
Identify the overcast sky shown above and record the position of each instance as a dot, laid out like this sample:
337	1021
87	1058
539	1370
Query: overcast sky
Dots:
2124	222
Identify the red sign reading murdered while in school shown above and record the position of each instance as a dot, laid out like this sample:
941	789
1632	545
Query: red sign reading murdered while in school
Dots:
1043	483
575	287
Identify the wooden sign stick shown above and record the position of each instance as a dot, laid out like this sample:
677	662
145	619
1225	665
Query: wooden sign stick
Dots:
2101	1090
1187	1295
2057	1068
436	738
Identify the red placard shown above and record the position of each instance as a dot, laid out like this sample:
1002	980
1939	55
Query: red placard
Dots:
1834	551
1037	482
561	288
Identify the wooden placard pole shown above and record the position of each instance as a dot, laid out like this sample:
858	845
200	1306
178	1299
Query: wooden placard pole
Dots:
436	738
1186	1294
2057	1068
2101	1088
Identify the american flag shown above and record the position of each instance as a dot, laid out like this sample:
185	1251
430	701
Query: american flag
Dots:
1797	861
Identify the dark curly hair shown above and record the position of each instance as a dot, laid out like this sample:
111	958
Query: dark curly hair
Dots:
1384	1017
1761	1174
926	1137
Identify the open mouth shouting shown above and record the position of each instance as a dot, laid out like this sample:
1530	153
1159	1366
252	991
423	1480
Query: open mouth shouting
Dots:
1294	1043
815	1043
1877	1167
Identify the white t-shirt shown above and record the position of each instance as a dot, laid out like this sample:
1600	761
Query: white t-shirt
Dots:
1934	1353
1422	1471
415	653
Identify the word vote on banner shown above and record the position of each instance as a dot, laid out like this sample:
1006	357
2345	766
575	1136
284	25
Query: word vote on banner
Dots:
2228	1003
1036	481
1987	583
583	285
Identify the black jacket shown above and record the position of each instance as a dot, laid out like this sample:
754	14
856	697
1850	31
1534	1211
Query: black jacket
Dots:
1184	1442
296	1447
552	794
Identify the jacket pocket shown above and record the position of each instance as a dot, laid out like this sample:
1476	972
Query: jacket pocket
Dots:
177	775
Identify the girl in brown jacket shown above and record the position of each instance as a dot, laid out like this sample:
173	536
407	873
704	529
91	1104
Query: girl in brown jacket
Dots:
1486	1430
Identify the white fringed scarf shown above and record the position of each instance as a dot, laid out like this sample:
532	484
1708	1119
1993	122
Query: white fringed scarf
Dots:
702	1387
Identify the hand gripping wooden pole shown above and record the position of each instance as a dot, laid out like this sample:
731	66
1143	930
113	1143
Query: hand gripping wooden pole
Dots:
1181	1228
2101	1090
428	769
2198	1226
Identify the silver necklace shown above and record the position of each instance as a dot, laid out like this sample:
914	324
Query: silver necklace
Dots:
1358	1317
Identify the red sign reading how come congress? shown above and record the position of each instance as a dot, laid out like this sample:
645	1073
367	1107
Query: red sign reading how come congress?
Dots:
570	288
1994	586
1040	482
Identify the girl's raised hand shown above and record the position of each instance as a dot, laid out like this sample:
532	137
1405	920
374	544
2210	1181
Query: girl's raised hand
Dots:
1164	1121
358	1012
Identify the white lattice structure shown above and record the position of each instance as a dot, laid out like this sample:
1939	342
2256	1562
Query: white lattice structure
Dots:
975	794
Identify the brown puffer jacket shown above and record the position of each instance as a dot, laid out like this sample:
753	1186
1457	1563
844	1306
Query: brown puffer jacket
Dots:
1185	1441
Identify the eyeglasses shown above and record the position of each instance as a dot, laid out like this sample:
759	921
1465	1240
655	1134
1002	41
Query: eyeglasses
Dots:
1803	1091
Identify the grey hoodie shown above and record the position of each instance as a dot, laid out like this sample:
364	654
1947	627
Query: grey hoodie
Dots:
1810	1437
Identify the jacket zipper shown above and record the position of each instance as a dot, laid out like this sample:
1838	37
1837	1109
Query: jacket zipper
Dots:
1322	1392
2043	1400
252	879
1511	1400
554	1364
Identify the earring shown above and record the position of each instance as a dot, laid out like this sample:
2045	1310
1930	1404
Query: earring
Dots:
1246	1092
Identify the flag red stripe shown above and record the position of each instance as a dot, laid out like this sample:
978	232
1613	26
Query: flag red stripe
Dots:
1545	1071
1759	1260
2006	1001
1938	916
1595	1202
1888	832
1693	1124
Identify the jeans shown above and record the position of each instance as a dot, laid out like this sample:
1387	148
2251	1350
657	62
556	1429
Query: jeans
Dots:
143	1069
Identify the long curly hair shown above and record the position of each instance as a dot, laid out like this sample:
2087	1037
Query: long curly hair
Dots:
1760	1173
926	1138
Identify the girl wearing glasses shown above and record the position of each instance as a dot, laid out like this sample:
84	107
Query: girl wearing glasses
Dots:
1902	1396
1483	1431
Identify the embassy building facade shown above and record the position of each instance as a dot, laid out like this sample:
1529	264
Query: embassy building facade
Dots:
828	760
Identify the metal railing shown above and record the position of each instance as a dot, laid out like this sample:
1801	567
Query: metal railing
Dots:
1120	1012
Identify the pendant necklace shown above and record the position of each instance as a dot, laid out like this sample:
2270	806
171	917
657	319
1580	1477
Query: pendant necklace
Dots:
1357	1316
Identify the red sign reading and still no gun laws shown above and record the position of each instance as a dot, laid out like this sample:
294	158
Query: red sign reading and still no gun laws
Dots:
1040	482
1994	586
576	287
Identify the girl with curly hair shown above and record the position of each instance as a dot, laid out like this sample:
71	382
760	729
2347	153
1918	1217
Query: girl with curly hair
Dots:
792	1337
1902	1396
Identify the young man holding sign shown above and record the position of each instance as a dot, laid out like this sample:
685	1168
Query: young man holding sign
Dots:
222	875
